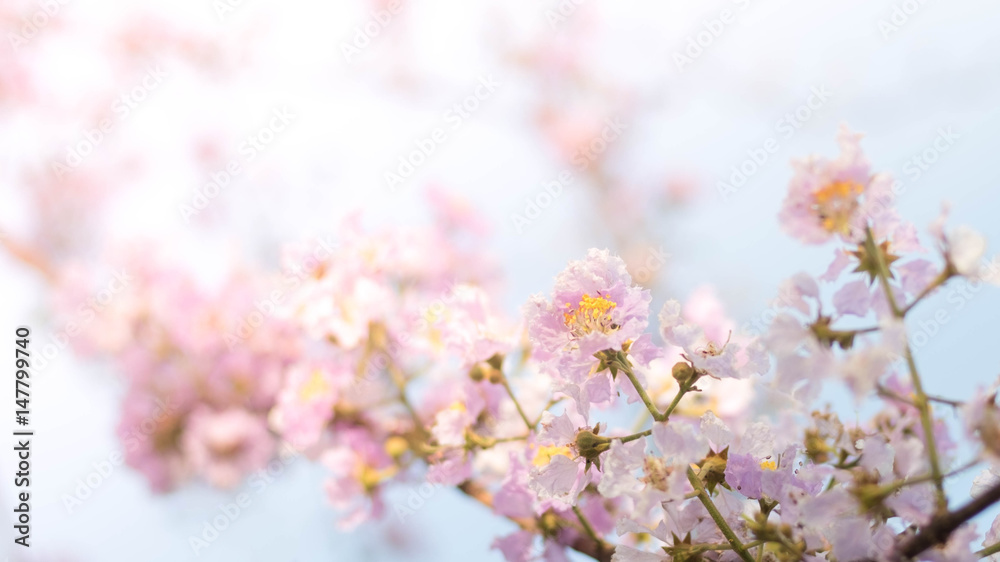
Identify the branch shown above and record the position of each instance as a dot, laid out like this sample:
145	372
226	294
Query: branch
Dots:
720	521
921	403
598	550
940	528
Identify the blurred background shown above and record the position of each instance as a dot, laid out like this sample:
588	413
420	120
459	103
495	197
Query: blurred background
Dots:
216	131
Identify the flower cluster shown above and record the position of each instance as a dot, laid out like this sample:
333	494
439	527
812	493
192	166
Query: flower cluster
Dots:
387	360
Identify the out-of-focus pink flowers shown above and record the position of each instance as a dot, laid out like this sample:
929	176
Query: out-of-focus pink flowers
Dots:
223	447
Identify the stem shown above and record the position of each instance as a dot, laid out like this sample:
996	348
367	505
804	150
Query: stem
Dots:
939	529
921	403
488	442
727	532
892	487
992	549
634	436
548	406
588	528
400	381
927	422
945	401
643	395
517	404
713	547
683	389
938	281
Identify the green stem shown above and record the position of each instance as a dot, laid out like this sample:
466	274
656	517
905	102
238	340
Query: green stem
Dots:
517	404
643	395
681	391
548	406
634	436
938	281
921	402
714	547
899	484
927	422
992	549
720	521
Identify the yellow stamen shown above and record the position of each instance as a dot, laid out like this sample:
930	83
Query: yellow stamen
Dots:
593	314
836	203
769	465
545	454
370	477
315	387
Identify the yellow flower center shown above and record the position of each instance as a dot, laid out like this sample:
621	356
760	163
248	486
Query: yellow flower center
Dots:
370	477
769	465
315	387
545	454
593	314
836	203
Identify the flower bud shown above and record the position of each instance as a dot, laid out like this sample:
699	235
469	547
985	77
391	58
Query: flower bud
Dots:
494	375
682	372
496	361
590	445
478	371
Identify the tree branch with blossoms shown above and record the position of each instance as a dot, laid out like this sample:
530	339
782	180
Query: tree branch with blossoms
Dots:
395	372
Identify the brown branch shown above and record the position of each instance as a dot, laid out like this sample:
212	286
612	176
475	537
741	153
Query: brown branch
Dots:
940	528
598	550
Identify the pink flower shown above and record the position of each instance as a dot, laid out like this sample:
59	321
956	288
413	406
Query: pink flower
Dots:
305	403
594	307
150	431
836	198
358	466
224	446
720	359
559	473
